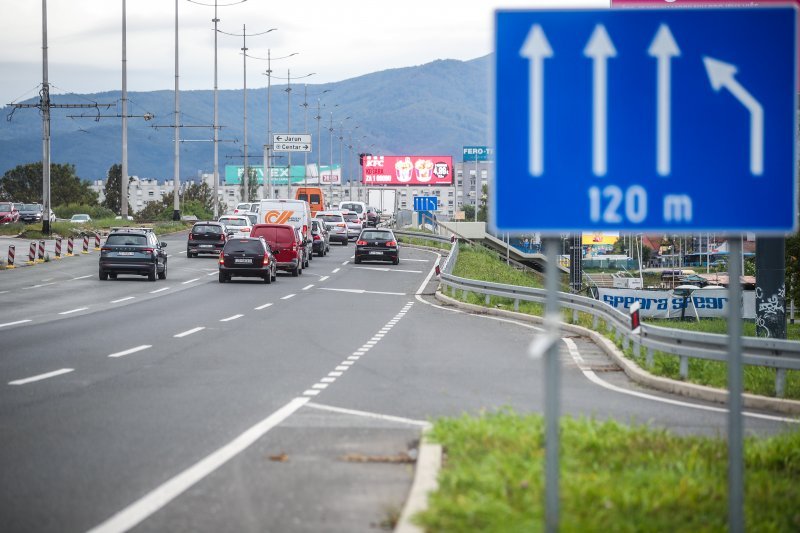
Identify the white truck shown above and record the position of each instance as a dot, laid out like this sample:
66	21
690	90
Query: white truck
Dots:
384	200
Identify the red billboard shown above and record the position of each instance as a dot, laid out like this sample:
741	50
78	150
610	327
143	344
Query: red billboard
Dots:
407	170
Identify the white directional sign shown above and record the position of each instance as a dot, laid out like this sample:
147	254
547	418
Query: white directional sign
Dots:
291	147
668	120
297	138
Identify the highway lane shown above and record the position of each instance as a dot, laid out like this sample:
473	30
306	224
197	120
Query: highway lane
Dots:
346	352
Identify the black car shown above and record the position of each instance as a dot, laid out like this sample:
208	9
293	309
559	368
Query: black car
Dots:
133	251
377	245
321	238
206	238
247	257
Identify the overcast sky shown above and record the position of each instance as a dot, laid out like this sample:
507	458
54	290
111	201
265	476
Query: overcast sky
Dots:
336	40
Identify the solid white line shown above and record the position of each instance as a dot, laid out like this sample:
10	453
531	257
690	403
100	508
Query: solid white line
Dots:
189	332
386	269
387	418
288	296
591	376
37	286
260	307
138	511
159	290
323	278
73	311
190	281
122	299
234	317
41	376
428	278
417	260
362	291
335	270
14	323
82	277
307	287
132	350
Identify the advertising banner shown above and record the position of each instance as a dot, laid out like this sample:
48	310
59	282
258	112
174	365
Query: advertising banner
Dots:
408	170
477	153
702	303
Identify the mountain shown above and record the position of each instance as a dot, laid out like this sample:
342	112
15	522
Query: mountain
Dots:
431	109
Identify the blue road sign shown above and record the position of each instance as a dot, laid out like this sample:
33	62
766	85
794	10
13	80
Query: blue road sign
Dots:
426	203
673	120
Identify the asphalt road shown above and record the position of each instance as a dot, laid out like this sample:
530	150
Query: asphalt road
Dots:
185	404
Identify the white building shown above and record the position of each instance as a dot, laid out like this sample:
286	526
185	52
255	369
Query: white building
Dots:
140	191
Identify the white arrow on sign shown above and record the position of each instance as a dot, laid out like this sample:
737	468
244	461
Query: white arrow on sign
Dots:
721	74
664	48
600	48
536	49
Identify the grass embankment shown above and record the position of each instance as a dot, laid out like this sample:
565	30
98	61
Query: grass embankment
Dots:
613	478
481	264
419	241
68	229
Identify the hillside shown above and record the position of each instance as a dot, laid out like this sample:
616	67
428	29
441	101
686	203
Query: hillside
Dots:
434	108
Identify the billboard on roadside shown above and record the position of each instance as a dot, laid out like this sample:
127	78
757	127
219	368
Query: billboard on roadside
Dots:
407	170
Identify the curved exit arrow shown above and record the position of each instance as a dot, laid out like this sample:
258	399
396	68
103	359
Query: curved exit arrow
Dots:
722	74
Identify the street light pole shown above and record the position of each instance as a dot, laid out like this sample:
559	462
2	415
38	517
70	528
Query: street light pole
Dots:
123	199
176	206
289	128
246	173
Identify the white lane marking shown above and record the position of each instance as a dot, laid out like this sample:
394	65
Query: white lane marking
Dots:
151	502
234	317
378	416
354	357
41	376
323	278
132	350
341	368
182	252
82	277
358	352
343	264
591	376
190	281
362	291
319	386
348	363
288	296
37	286
211	273
260	307
73	311
189	332
3	292
335	374
159	290
307	287
335	270
417	260
311	392
47	279
386	269
328	380
15	323
123	299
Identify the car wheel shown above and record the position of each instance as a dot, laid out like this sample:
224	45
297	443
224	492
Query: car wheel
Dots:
357	261
103	275
274	275
222	278
163	275
268	278
188	253
295	272
396	261
151	276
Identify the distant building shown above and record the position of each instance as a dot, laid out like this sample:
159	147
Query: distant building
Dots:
140	191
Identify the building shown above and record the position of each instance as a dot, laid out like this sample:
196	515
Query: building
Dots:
140	191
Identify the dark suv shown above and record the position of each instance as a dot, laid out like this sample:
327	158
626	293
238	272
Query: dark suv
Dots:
247	257
206	238
133	251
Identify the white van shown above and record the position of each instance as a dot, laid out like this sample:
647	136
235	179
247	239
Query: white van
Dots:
360	208
296	213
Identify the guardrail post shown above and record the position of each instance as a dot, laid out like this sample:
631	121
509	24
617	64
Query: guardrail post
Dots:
516	304
780	382
626	342
453	291
684	369
648	360
595	322
488	300
637	347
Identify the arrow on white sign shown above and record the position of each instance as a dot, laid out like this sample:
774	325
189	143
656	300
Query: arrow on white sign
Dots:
600	48
536	49
664	48
721	74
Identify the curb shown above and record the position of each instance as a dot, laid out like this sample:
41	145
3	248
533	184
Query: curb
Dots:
634	371
429	461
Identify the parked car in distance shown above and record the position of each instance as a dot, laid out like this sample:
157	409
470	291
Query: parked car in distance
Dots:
236	225
33	213
377	244
336	224
133	251
119	217
354	224
320	237
285	243
247	257
372	217
8	213
80	218
206	238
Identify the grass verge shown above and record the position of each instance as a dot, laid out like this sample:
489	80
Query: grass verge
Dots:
423	242
613	478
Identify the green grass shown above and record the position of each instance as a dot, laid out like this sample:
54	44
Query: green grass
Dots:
424	242
613	478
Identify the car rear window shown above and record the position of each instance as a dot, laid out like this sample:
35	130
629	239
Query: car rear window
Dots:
5	207
207	228
353	207
126	240
351	217
233	221
377	235
251	246
331	218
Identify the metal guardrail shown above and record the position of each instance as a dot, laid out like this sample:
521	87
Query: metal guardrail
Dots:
781	355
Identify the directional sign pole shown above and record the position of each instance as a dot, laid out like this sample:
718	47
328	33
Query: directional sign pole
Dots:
735	444
552	388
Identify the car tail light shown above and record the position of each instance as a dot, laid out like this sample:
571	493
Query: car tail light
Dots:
105	249
317	237
361	243
266	258
294	247
391	244
341	225
221	258
148	250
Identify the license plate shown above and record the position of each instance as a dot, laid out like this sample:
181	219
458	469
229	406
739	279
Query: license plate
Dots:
125	253
243	260
206	245
376	253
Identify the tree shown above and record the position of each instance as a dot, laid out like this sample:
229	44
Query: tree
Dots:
23	183
112	189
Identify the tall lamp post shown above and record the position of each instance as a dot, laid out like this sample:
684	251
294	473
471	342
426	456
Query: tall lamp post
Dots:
289	121
305	154
341	155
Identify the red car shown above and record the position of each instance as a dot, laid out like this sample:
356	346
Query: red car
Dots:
285	243
8	213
